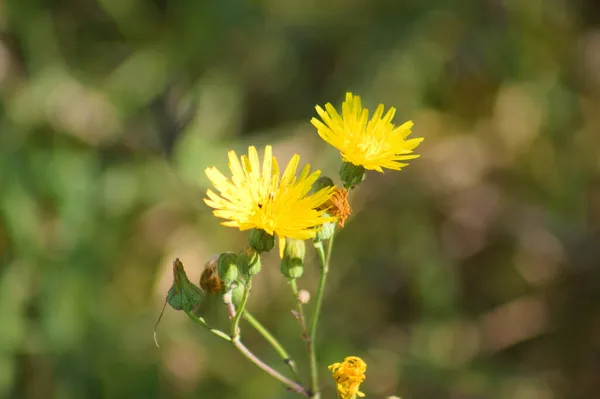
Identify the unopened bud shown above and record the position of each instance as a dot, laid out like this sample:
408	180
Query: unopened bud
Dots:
292	264
260	240
303	297
294	248
321	183
351	174
237	294
227	267
249	262
325	231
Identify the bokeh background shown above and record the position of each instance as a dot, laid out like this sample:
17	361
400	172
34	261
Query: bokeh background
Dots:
472	274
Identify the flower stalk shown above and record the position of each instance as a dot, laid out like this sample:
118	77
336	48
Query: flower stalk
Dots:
203	323
262	330
292	385
235	330
314	368
300	316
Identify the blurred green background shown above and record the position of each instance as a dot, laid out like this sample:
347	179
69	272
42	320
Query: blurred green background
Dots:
472	274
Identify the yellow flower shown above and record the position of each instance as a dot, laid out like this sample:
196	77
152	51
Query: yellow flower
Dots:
348	376
373	144
266	201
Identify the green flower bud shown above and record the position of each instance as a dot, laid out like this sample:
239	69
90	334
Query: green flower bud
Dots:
321	183
292	264
292	267
294	248
260	240
249	262
237	294
326	231
351	174
227	267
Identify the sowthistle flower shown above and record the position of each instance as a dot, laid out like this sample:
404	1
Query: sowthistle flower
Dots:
372	144
348	376
262	199
294	208
338	206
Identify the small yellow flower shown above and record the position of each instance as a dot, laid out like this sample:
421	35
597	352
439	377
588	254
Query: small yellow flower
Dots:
265	200
373	144
348	376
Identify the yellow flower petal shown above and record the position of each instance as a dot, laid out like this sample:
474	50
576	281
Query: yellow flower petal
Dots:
260	198
348	376
373	144
281	246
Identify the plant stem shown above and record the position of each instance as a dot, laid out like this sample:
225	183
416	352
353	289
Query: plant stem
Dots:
314	370
235	330
200	320
300	316
273	341
294	386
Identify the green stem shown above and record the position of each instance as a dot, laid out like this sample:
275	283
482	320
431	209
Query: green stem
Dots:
235	330
292	385
200	320
300	310
273	341
314	369
300	317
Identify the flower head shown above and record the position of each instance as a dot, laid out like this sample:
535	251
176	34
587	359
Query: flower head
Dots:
338	206
373	144
209	279
348	376
262	199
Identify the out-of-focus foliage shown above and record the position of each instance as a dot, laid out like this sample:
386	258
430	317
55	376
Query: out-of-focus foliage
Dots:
473	273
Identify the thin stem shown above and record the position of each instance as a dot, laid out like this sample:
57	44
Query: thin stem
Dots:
314	370
273	341
329	250
235	330
294	386
300	310
200	320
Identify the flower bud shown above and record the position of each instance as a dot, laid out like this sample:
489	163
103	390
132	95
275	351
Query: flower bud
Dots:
227	267
260	240
292	264
303	297
292	267
249	262
294	248
325	231
321	183
351	174
237	294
